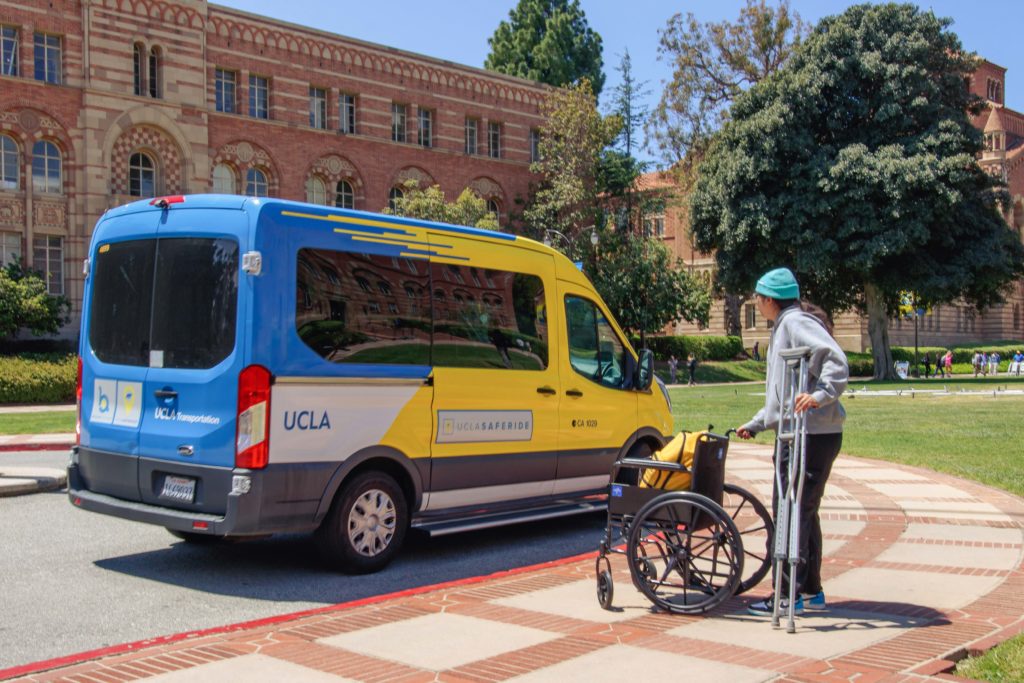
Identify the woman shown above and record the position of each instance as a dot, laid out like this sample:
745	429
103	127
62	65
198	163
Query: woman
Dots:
778	299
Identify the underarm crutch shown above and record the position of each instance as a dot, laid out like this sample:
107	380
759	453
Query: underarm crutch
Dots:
791	436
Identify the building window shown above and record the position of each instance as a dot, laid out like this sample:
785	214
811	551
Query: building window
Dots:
494	140
10	248
398	116
494	208
9	163
47	58
46	167
393	196
141	176
48	257
224	86
654	226
425	133
8	51
255	183
344	197
534	145
137	69
1016	316
317	108
472	135
750	316
347	113
259	97
154	71
995	90
224	179
316	191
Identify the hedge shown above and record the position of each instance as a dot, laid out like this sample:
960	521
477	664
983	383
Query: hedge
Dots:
38	378
704	347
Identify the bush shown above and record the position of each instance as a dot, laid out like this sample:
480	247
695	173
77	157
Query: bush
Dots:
37	378
704	347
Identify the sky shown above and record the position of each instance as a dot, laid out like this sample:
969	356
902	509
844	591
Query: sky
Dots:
457	30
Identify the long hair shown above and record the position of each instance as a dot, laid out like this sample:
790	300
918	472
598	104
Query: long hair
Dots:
818	312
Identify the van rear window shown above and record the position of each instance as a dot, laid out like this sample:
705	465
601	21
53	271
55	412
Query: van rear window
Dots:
168	302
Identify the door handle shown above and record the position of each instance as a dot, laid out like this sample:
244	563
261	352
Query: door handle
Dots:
575	393
546	390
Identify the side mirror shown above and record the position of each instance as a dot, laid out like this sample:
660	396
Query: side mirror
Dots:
645	370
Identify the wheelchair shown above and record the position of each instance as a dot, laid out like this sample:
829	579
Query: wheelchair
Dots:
687	550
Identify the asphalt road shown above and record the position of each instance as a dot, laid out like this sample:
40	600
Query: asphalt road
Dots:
72	581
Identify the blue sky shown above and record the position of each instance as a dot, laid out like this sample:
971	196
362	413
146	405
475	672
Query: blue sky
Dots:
457	30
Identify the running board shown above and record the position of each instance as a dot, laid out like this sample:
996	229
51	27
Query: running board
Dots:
443	528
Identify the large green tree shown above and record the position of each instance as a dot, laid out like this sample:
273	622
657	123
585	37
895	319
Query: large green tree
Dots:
25	303
548	41
712	64
855	165
430	204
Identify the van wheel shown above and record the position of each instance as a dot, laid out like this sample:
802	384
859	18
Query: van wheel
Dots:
366	525
640	451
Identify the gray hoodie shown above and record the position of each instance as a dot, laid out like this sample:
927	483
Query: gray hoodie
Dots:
828	373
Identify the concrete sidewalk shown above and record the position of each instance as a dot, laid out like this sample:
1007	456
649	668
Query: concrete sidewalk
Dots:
920	568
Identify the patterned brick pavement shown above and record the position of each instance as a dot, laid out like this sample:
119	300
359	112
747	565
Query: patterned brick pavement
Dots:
920	569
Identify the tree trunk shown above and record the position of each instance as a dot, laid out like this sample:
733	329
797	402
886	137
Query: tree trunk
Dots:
878	332
733	303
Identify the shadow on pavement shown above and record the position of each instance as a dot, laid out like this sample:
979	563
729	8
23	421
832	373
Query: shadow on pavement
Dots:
287	568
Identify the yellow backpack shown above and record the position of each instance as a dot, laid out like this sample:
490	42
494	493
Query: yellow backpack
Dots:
680	450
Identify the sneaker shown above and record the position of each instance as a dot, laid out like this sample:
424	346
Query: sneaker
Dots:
763	608
814	601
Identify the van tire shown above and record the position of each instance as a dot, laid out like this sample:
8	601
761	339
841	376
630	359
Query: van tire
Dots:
640	451
366	525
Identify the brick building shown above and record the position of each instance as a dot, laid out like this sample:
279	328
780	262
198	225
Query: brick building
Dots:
946	325
106	101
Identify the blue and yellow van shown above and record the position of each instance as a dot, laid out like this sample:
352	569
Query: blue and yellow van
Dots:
251	366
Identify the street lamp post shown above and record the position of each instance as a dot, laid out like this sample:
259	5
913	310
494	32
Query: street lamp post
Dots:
569	249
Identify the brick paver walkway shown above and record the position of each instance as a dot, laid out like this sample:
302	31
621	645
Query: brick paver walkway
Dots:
920	568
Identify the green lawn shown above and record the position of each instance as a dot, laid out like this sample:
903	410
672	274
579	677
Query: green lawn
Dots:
48	422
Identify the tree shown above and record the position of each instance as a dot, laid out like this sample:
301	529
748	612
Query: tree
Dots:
618	170
637	278
25	303
429	204
712	64
547	41
855	165
572	139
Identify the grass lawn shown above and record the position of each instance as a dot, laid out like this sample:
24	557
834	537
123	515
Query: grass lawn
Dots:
48	422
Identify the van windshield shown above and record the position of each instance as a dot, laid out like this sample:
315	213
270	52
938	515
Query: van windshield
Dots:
167	302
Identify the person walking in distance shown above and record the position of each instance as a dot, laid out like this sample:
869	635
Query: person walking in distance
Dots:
940	368
948	362
927	364
673	368
691	368
778	299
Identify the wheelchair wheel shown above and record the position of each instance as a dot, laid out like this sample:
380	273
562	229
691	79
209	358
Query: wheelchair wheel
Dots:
754	523
684	553
605	589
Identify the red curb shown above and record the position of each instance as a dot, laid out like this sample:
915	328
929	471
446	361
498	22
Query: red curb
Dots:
78	658
36	446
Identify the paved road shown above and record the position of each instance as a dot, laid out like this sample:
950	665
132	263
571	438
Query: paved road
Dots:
73	580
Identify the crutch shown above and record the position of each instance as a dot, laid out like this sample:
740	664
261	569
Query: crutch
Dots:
791	433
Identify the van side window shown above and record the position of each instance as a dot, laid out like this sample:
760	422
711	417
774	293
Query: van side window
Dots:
363	308
595	351
498	322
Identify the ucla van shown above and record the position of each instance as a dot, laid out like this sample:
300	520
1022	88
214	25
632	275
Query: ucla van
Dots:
252	366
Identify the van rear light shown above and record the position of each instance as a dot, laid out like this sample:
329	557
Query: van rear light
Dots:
78	404
252	435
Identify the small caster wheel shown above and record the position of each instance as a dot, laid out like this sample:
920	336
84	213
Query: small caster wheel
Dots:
645	568
605	589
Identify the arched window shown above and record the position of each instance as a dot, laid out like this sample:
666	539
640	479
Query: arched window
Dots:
141	176
494	209
137	68
155	60
9	163
46	167
224	179
345	197
255	183
393	196
316	191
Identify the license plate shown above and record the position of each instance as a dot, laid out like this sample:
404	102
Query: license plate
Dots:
179	488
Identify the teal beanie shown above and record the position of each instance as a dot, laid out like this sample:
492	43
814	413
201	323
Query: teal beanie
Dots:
778	284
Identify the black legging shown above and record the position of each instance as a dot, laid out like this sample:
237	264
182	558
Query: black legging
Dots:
821	452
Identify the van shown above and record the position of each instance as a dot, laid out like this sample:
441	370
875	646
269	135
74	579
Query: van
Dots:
252	366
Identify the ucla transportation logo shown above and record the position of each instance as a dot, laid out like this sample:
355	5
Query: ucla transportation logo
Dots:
116	403
306	420
473	426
